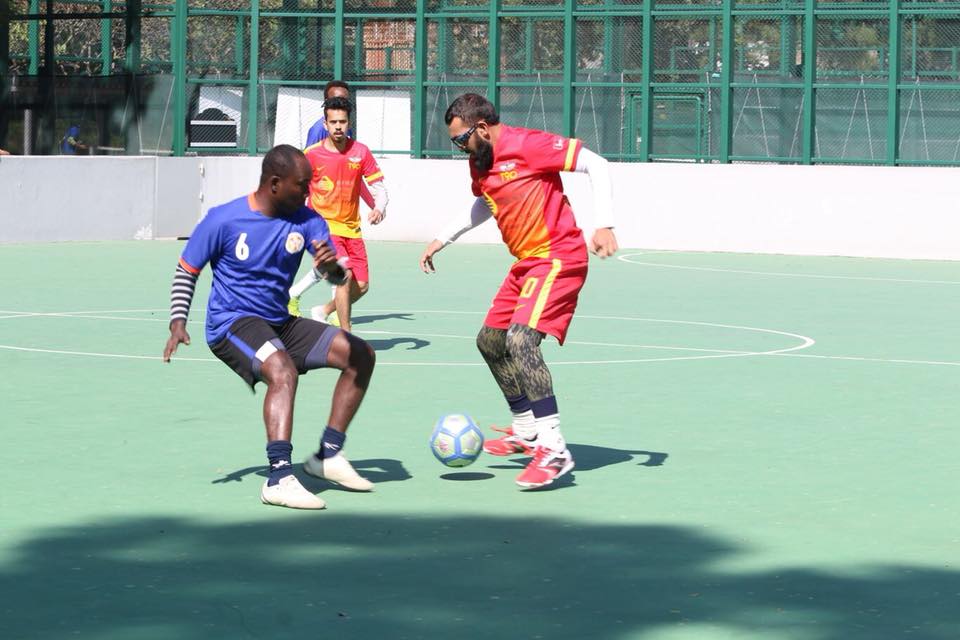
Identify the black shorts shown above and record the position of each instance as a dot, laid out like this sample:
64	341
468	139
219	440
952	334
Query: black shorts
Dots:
252	340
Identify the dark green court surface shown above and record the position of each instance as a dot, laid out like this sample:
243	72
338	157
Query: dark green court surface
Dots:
766	448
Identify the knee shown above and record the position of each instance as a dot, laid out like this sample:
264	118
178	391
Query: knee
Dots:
279	370
362	287
521	339
491	342
362	356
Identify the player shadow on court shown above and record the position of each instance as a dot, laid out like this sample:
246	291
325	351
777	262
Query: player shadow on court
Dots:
588	458
376	470
386	345
383	316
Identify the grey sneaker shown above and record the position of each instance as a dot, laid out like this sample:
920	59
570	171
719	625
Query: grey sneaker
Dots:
337	469
290	493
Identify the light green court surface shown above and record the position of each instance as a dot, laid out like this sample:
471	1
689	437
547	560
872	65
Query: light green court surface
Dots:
766	448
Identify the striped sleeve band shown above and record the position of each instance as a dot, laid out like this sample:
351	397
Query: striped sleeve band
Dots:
181	293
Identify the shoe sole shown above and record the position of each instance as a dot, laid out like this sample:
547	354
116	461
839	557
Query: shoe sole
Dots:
286	506
566	469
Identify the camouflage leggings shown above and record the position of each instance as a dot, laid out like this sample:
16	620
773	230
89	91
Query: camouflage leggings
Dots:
516	362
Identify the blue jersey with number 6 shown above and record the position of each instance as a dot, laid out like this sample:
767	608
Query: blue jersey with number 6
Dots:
254	259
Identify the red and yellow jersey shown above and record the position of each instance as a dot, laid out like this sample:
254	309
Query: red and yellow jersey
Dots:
525	194
335	186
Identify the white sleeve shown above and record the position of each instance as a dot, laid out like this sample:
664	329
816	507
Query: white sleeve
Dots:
478	214
599	171
380	199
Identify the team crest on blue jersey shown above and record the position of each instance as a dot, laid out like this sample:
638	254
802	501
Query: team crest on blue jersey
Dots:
294	242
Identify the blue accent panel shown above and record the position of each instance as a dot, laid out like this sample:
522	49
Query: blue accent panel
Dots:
240	344
317	357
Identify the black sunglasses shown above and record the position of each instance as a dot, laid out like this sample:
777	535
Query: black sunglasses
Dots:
461	140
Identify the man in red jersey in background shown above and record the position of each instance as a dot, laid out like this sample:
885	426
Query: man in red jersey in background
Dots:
340	164
516	177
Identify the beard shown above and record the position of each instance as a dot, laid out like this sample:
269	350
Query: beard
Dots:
482	158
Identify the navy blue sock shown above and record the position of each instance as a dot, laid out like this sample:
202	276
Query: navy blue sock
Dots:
544	407
279	453
331	443
518	404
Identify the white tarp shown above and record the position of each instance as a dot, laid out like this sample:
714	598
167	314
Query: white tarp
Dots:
297	110
383	120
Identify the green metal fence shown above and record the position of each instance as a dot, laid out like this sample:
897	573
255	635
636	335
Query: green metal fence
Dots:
637	80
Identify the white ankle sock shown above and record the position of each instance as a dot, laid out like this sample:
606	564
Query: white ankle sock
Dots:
548	433
300	287
524	425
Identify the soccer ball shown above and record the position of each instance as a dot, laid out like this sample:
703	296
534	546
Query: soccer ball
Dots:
456	441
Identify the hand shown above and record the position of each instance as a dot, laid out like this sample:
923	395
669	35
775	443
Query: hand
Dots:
178	336
376	216
325	263
426	260
604	243
324	256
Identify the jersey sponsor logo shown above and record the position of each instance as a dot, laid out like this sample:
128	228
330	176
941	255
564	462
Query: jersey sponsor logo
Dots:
508	171
324	185
353	163
558	144
294	242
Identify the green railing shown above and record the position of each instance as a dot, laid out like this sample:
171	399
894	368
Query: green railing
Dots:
711	81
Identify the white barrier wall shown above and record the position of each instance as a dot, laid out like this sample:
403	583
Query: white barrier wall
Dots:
894	212
47	199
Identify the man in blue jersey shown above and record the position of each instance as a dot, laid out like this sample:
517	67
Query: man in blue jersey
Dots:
254	245
70	145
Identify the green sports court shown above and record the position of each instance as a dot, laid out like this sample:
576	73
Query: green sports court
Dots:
765	445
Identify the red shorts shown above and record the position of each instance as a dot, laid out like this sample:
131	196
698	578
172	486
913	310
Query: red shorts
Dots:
540	293
356	251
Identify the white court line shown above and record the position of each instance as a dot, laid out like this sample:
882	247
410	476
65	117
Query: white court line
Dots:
624	258
863	359
81	312
86	315
715	353
589	344
97	354
178	358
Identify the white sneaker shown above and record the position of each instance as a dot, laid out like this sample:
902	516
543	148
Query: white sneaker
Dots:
317	313
337	469
290	493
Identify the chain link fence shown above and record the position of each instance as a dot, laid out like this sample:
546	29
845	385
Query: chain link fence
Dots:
847	81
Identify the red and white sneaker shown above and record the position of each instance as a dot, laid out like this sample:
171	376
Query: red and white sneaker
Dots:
509	444
547	465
